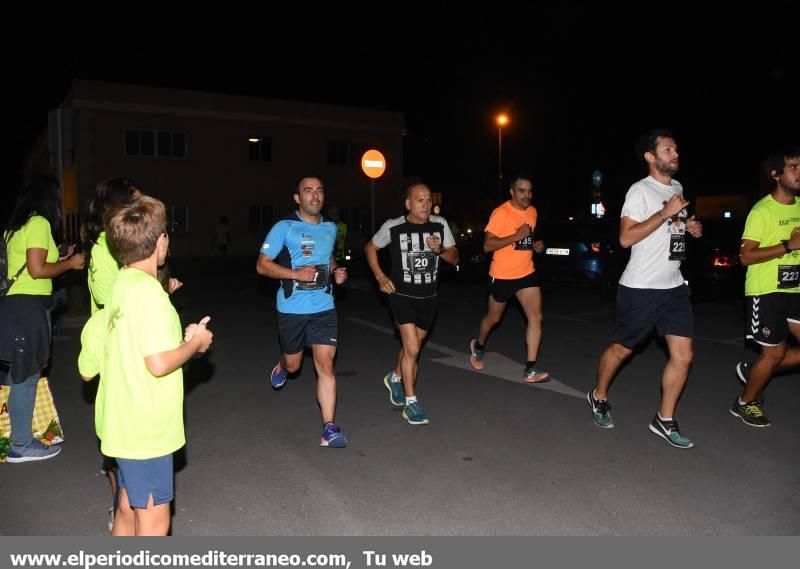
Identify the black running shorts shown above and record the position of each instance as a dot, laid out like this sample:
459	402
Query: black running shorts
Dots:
296	331
503	289
769	316
418	311
639	310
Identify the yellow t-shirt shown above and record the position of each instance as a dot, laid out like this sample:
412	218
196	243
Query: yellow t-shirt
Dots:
137	415
513	261
35	234
103	269
768	223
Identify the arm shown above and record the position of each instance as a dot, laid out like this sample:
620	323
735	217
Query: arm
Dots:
632	231
751	252
492	242
450	254
164	363
39	268
265	266
385	283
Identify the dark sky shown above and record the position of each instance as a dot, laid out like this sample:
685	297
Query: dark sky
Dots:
580	84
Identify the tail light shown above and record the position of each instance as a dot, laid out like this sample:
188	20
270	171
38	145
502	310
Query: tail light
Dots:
595	247
724	261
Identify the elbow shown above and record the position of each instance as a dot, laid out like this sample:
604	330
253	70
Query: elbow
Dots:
625	243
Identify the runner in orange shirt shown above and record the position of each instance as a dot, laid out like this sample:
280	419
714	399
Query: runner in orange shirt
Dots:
509	234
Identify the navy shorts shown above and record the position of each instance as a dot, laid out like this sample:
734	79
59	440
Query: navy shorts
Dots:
296	331
503	289
769	316
144	478
418	311
639	310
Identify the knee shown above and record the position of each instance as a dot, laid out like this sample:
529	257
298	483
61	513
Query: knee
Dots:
683	358
324	367
620	352
411	351
535	318
292	367
773	355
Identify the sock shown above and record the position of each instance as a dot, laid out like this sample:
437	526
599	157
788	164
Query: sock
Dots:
742	403
395	378
410	400
664	419
479	346
531	364
595	398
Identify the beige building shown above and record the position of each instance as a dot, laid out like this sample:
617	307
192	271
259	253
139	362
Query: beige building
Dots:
208	155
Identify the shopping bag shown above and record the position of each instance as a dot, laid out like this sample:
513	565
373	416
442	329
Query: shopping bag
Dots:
45	424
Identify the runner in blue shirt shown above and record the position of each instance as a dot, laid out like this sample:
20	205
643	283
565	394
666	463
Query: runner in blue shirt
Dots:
299	252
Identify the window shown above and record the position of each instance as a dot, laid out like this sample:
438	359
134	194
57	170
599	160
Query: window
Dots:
337	152
178	219
162	143
260	148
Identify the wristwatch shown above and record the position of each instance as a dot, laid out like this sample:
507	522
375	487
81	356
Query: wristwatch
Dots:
785	243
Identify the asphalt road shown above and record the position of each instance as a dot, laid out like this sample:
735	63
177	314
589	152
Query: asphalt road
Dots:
499	457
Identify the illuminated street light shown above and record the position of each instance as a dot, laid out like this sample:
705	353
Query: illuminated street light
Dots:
502	120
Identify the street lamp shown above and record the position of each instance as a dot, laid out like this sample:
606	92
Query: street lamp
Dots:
502	120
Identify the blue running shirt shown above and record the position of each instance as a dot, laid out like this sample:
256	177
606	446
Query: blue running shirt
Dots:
294	243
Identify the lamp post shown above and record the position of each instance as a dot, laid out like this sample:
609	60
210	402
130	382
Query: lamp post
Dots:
502	120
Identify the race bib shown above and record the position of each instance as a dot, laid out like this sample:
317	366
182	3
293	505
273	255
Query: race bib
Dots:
677	247
421	262
322	278
524	244
788	276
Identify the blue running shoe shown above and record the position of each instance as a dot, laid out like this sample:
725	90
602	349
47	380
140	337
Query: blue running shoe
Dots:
414	414
332	436
397	395
278	376
33	451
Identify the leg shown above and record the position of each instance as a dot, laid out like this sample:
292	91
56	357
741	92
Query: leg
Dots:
675	373
326	380
607	368
531	301
124	518
21	401
152	520
292	362
770	359
412	338
792	357
491	319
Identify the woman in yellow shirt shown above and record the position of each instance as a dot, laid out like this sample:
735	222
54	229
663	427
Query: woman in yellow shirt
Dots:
24	317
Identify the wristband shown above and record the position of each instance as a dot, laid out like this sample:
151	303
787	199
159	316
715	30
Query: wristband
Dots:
786	247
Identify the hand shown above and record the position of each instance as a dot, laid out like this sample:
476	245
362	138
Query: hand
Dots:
305	274
674	206
794	240
76	261
386	285
434	244
538	246
340	275
63	255
522	232
694	227
202	334
174	284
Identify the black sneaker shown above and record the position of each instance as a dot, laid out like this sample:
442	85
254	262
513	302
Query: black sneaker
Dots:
669	431
750	413
601	411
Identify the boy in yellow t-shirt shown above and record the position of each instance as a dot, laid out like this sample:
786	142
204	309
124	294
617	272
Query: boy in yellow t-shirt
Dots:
135	344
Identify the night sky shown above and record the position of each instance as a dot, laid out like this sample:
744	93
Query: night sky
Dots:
579	84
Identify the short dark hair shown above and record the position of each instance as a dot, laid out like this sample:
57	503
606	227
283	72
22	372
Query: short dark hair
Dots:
133	228
777	161
649	142
301	178
517	177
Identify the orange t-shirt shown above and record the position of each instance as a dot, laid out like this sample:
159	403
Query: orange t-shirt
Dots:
513	261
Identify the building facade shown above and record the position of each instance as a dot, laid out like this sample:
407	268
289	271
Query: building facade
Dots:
209	156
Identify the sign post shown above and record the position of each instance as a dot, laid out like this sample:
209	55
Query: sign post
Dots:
373	164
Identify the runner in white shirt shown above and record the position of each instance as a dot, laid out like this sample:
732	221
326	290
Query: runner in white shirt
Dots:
652	293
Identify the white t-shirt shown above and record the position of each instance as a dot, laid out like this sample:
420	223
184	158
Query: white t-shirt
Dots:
652	263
